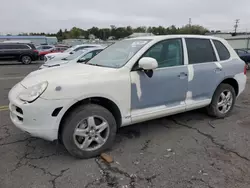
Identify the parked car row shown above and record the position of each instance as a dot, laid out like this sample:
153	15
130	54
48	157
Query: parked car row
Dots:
27	52
81	56
134	80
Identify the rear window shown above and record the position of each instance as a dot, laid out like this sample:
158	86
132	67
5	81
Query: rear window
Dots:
200	51
222	50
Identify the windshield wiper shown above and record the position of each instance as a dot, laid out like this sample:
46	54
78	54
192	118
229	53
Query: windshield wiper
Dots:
94	64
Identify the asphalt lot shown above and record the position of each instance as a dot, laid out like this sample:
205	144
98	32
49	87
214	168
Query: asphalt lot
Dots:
189	150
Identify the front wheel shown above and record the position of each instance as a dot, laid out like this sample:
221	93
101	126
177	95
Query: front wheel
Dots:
222	101
88	131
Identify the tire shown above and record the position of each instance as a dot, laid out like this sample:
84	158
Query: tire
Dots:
213	109
79	121
41	58
25	59
248	65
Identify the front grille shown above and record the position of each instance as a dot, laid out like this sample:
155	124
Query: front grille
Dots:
16	113
19	110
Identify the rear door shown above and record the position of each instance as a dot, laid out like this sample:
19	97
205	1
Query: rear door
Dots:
204	72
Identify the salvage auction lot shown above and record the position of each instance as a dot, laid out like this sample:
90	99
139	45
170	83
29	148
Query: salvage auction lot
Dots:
185	150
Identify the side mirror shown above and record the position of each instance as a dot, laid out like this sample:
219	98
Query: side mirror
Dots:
83	59
71	53
148	63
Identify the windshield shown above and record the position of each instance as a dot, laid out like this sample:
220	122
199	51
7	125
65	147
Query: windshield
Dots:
118	54
74	55
69	49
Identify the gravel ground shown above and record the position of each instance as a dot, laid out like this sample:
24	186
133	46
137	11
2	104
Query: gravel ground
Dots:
189	150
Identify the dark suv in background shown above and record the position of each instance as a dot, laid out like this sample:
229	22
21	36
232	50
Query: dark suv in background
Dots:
22	52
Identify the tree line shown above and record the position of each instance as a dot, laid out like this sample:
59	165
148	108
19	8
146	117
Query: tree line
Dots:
121	32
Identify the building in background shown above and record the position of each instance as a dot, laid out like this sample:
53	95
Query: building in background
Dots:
37	40
240	41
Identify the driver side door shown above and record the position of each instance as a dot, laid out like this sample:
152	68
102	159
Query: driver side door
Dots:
165	92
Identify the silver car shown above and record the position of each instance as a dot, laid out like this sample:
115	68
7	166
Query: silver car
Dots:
80	56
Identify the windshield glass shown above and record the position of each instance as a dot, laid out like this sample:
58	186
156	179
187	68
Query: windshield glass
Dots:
70	49
74	55
118	54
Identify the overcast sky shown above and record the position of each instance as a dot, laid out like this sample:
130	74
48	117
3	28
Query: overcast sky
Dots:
51	15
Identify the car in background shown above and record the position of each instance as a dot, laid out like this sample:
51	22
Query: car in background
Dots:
244	55
22	52
68	52
78	57
41	48
57	49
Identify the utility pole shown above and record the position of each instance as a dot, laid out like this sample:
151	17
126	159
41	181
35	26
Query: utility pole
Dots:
236	25
189	22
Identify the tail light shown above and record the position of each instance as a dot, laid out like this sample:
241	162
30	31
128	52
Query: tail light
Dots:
245	69
35	51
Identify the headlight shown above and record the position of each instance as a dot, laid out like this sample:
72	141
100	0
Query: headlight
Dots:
33	92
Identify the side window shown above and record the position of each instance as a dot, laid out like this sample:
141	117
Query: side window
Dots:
96	52
47	47
24	47
88	55
200	51
222	50
168	53
10	47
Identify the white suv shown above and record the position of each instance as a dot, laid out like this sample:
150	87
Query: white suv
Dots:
131	81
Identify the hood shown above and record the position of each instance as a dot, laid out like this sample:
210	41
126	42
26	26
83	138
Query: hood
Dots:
56	62
62	73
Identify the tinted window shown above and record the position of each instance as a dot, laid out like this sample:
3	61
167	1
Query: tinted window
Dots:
167	53
47	47
222	50
200	51
24	47
241	51
9	47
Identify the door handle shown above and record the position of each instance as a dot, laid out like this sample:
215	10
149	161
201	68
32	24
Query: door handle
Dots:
218	70
182	75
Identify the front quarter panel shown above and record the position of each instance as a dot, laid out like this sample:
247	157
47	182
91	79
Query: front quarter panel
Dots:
113	85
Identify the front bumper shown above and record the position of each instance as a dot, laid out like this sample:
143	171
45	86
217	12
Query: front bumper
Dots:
36	118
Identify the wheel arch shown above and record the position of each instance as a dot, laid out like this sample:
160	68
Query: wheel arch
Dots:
231	81
102	101
28	54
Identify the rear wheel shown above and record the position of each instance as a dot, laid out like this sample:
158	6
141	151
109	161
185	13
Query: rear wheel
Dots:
88	131
222	101
41	57
26	59
247	63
